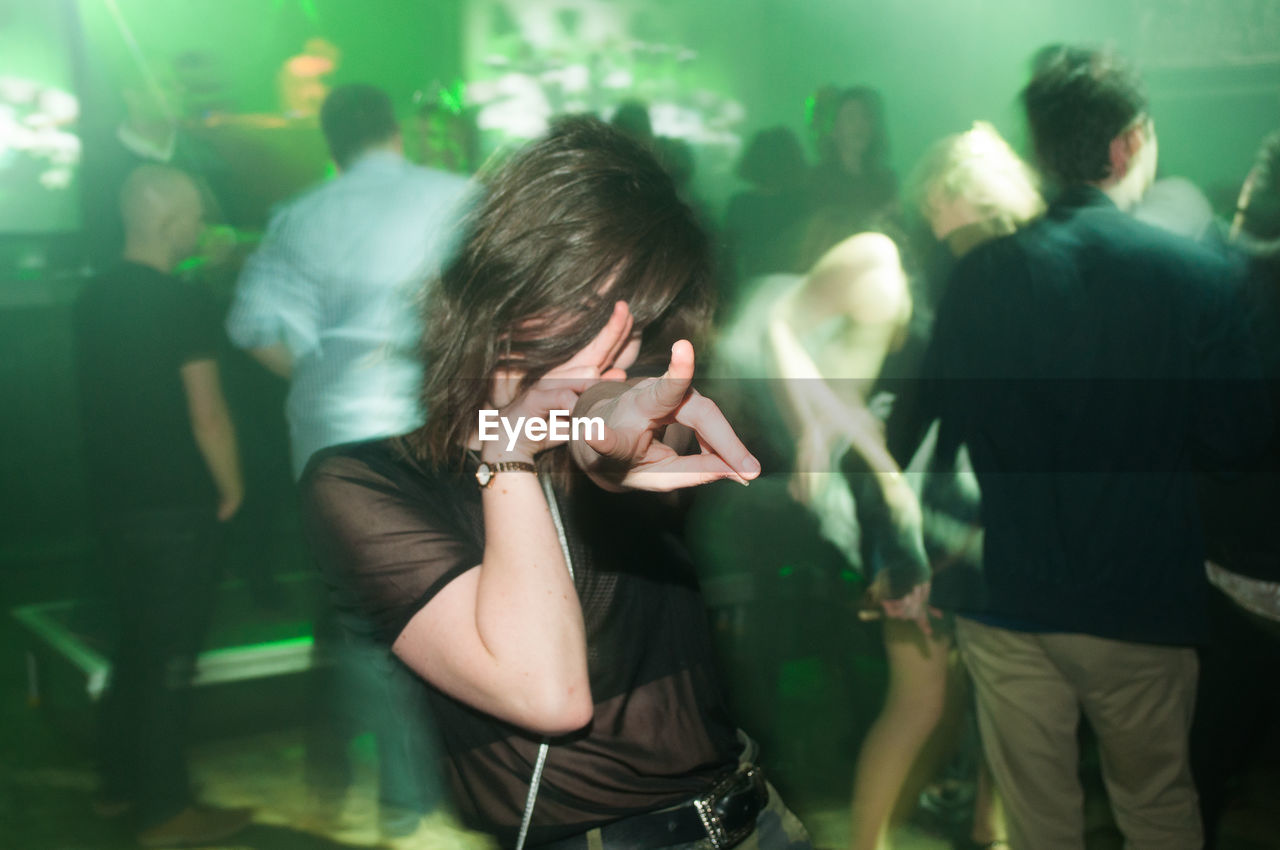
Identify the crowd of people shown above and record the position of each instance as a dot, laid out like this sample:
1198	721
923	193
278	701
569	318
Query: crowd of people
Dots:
1024	401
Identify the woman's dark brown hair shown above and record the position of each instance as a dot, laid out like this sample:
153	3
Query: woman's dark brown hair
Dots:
578	220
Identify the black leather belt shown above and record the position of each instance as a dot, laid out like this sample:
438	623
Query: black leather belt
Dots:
726	814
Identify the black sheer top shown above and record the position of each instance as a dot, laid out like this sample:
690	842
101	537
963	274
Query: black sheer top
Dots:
390	534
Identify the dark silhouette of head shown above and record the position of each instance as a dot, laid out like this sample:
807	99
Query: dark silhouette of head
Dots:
632	119
773	160
355	118
1077	103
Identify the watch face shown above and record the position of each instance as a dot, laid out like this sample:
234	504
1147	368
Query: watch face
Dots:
484	474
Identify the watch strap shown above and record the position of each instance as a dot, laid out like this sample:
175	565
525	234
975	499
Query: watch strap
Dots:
486	472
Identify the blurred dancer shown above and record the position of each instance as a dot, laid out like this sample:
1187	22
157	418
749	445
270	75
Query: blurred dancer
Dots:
302	81
844	340
151	130
761	224
1238	700
447	136
330	302
1085	361
852	181
1258	204
164	472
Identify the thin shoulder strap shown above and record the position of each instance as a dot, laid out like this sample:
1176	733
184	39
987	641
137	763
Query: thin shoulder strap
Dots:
544	747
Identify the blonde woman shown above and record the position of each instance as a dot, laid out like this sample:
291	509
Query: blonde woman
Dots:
828	338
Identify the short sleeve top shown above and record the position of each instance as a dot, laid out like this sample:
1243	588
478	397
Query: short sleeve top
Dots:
136	327
390	533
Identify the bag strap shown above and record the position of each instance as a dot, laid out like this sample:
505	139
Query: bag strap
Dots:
545	746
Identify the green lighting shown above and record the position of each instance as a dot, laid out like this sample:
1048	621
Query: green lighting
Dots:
801	677
266	645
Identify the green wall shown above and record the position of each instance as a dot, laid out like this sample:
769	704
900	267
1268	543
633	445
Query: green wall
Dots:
401	45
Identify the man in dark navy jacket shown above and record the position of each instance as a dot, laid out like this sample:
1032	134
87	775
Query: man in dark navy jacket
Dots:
1089	363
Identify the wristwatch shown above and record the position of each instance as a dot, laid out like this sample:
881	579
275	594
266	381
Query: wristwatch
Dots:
486	472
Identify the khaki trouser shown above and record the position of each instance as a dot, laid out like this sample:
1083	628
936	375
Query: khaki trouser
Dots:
1139	699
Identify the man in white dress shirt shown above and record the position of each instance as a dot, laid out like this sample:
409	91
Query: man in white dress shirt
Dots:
331	302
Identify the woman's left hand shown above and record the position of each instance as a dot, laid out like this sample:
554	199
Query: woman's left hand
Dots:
630	455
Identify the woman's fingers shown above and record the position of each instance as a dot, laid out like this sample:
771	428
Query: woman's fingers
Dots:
634	418
679	472
538	404
716	435
609	444
913	606
624	337
599	353
664	395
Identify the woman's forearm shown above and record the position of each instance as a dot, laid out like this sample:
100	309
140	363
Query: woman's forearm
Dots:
527	613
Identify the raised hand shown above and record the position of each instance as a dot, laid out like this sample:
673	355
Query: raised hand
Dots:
603	358
630	454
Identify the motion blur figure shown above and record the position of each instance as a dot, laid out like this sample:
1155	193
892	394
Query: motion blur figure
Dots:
842	343
852	182
331	301
762	224
1258	205
151	128
302	81
631	118
1085	362
164	472
1239	700
447	136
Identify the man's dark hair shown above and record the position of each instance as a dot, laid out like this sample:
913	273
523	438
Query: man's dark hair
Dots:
576	221
1077	102
355	117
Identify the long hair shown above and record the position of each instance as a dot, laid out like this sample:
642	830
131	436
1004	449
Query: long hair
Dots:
876	157
578	220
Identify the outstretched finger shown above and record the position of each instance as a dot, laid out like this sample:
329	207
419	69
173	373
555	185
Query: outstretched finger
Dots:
665	394
716	435
681	472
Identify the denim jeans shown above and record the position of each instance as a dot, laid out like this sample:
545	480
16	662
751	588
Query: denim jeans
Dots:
360	686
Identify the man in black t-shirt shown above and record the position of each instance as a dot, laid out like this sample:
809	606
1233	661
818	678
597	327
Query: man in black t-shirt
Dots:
164	472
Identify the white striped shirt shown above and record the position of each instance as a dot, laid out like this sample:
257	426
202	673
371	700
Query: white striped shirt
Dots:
338	280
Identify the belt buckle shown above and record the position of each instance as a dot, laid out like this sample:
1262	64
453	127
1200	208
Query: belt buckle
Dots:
708	806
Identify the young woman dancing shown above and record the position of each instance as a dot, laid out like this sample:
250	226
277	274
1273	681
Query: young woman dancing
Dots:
557	624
